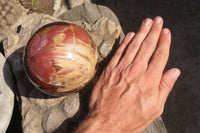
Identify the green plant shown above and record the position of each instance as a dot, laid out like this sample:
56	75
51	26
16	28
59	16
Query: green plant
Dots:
34	4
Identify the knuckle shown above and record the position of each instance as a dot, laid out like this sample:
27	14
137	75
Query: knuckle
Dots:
111	76
136	65
160	54
142	32
105	89
132	70
144	28
165	84
120	50
156	28
150	44
151	80
148	41
107	72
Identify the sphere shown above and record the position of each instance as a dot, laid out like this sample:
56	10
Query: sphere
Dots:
60	58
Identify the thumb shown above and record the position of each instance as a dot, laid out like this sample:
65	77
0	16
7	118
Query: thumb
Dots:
167	82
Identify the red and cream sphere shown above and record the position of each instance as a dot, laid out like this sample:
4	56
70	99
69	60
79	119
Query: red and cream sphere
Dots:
60	57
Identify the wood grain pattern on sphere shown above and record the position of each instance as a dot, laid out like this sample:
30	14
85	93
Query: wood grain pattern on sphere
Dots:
60	58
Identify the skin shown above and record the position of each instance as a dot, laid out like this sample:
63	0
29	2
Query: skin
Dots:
133	89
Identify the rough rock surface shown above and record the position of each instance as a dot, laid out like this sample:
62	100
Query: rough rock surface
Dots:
74	3
43	113
89	13
6	94
40	112
11	15
61	6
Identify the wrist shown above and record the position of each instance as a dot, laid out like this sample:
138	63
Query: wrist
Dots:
94	123
91	124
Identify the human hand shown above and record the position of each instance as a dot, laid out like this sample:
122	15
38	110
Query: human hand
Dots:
132	89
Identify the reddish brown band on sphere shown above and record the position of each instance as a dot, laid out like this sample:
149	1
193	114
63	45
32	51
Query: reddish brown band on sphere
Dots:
60	58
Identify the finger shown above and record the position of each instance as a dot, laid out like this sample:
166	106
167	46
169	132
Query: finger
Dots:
160	57
107	71
166	84
115	59
136	42
149	44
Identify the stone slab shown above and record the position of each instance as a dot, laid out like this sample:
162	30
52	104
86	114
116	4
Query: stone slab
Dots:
6	94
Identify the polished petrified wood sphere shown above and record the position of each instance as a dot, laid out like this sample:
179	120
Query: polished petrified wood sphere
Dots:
60	58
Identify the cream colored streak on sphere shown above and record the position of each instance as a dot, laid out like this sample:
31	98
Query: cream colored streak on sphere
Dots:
77	55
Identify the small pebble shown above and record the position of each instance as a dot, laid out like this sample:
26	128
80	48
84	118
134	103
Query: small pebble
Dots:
3	13
3	22
10	18
7	8
2	2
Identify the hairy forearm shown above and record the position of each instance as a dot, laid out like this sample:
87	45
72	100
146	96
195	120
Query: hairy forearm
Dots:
95	124
90	125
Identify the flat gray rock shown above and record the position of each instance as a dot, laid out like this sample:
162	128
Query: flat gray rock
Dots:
6	94
89	13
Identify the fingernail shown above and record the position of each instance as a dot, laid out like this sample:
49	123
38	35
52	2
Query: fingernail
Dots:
165	31
130	34
175	73
147	21
157	20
